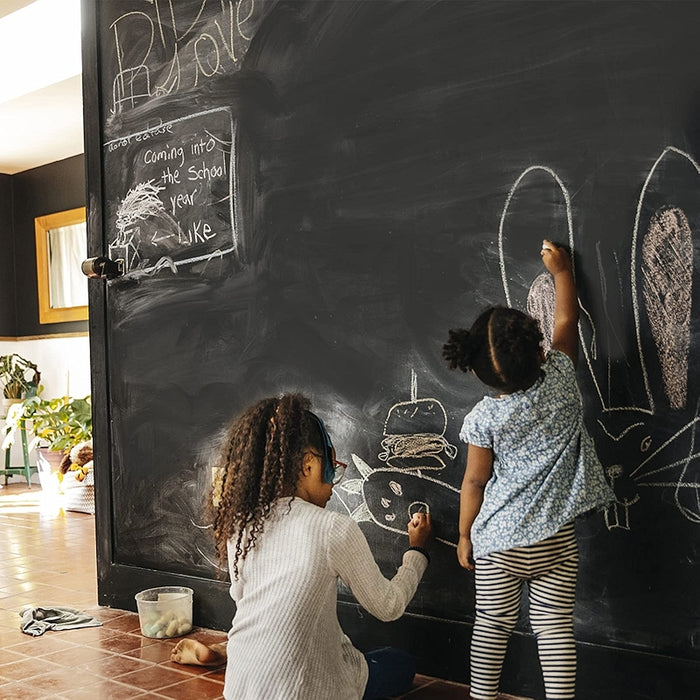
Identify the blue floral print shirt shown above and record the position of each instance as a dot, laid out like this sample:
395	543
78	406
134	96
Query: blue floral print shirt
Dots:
545	469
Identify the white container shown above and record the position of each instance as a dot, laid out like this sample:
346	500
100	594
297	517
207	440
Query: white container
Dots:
165	612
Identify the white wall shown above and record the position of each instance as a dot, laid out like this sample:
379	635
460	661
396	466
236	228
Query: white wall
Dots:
64	364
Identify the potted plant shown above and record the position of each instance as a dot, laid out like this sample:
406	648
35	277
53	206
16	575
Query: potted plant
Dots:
19	379
60	426
60	423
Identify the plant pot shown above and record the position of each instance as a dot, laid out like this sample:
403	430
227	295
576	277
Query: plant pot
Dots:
5	405
47	465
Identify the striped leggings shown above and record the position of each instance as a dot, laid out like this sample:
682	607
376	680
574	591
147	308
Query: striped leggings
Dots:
550	568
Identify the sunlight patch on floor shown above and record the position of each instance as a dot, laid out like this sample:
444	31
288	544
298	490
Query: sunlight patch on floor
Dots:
34	500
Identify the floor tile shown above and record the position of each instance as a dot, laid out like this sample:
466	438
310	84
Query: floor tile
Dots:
23	691
85	635
11	634
10	657
154	678
217	674
124	623
79	657
114	666
155	653
105	614
200	688
27	668
41	646
61	680
192	670
103	689
120	643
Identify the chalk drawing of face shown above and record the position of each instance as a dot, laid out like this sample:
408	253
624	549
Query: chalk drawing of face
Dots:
392	496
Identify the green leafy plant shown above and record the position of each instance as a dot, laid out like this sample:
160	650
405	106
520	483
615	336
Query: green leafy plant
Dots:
19	377
59	423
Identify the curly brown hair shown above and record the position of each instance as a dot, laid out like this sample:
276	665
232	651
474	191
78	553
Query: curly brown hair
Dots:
503	348
261	460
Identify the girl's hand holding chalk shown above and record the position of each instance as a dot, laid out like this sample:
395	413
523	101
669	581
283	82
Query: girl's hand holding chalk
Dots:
420	530
555	258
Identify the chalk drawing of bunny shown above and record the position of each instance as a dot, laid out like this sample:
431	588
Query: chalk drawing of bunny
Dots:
645	410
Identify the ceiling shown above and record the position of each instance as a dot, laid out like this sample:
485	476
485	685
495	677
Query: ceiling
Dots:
42	126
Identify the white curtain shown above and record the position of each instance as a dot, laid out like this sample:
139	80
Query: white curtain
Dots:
67	250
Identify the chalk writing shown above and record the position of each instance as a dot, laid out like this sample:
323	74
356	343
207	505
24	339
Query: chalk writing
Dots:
179	207
184	47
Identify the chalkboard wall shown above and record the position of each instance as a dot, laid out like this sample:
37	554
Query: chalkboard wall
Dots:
307	195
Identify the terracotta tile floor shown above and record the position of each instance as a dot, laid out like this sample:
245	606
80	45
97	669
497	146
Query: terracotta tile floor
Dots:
47	558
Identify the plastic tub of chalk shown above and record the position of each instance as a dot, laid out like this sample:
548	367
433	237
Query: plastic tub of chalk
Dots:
165	612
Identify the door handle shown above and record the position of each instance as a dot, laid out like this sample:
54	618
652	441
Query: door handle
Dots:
102	267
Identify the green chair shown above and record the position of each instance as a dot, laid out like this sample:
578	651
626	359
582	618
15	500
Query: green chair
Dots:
27	469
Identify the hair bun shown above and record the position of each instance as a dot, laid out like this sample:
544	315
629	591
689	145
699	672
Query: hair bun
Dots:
459	349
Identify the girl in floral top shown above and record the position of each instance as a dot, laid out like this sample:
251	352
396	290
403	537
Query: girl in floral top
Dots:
531	469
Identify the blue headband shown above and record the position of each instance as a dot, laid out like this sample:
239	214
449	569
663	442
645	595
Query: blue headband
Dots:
327	461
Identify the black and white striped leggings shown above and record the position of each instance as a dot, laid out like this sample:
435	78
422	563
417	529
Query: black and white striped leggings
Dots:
550	568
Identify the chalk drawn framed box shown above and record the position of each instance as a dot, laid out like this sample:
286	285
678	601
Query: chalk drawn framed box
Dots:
61	246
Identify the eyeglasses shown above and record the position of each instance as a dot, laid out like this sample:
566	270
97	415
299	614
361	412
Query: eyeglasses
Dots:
338	468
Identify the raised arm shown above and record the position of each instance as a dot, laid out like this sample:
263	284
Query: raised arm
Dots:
565	337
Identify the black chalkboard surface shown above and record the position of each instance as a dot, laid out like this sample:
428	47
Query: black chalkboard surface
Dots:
307	195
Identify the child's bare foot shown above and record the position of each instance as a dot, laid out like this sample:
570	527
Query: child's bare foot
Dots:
194	653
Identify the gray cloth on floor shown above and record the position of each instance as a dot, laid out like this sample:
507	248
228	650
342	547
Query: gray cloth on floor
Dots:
35	621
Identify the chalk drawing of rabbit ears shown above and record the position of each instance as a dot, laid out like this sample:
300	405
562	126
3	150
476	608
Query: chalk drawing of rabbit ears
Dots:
646	443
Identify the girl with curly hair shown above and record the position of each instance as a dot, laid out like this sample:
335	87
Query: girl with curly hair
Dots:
531	469
286	553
